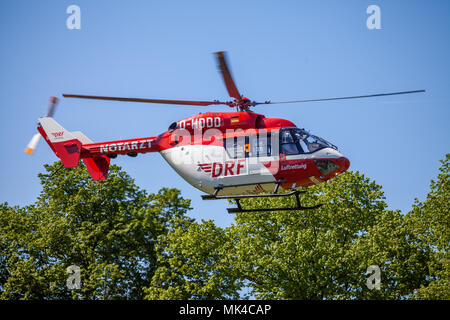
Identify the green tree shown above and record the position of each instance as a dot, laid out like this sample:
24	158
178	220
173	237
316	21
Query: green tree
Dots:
108	228
325	253
430	222
194	263
134	245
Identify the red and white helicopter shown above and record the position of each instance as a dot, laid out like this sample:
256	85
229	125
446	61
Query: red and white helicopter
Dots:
227	155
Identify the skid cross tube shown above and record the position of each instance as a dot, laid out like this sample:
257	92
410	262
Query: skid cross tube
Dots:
295	193
237	198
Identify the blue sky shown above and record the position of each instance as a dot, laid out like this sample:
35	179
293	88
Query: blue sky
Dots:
279	50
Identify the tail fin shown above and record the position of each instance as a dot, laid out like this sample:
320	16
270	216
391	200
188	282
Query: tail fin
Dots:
68	147
62	142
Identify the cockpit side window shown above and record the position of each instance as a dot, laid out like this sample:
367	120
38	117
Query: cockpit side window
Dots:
289	148
298	141
286	137
288	145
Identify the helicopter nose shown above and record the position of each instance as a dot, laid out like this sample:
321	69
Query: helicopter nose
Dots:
343	163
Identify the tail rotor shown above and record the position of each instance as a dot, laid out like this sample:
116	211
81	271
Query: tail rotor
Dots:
32	145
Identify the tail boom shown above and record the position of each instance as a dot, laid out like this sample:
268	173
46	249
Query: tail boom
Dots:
128	146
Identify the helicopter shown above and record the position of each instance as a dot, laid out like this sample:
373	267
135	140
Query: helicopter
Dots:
227	155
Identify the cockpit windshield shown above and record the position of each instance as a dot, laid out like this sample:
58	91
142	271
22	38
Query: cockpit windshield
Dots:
298	141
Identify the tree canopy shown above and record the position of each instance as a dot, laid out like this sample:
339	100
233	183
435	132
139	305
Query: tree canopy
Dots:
130	244
109	229
430	223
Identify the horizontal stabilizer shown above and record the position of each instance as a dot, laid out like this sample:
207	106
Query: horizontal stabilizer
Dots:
98	167
80	136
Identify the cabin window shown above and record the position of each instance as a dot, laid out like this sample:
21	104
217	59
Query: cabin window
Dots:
235	147
256	145
265	144
260	145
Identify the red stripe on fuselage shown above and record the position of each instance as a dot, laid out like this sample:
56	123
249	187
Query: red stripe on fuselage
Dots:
303	172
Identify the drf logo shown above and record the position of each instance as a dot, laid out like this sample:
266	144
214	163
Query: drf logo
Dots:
229	168
58	134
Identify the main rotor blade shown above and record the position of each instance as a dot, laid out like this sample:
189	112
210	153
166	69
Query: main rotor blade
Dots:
51	107
226	74
342	98
163	101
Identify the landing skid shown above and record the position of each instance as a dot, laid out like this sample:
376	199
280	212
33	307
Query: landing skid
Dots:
274	194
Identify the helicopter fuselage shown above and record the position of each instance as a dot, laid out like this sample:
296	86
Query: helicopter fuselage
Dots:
240	152
244	152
